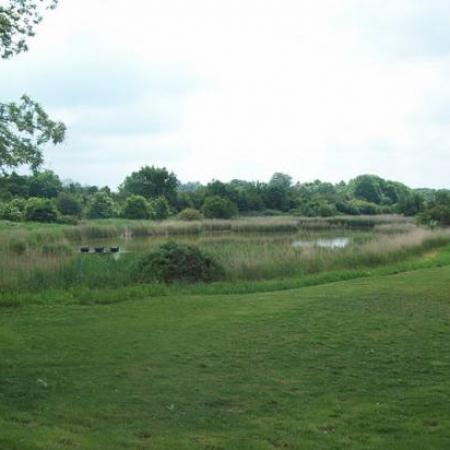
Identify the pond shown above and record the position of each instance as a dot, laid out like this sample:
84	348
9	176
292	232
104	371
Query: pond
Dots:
327	240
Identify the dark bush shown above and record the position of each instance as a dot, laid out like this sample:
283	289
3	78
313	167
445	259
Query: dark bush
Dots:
68	204
175	262
40	210
216	207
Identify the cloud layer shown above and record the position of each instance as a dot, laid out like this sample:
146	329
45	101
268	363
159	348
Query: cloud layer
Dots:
241	89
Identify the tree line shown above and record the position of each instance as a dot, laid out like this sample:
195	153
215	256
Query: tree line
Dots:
156	193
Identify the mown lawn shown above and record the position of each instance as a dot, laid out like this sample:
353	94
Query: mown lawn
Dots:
362	364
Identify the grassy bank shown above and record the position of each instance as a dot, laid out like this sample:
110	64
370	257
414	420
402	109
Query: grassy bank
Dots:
354	365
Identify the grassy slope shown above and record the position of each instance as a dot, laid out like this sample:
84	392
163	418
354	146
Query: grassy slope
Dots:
361	364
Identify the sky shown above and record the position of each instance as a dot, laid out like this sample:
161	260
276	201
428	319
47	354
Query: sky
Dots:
225	89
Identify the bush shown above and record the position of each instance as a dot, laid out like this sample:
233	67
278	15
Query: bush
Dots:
101	206
159	209
216	207
68	204
13	211
136	207
175	262
364	207
40	210
190	215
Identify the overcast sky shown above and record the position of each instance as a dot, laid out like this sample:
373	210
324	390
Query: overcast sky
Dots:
227	89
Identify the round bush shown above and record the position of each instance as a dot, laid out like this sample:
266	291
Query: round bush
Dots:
190	215
216	207
40	210
136	207
175	262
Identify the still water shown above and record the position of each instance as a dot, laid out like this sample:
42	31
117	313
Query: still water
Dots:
299	240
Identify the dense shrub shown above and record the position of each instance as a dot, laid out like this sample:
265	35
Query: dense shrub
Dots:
159	209
175	262
13	210
216	207
437	215
101	206
68	204
190	214
40	210
136	207
365	207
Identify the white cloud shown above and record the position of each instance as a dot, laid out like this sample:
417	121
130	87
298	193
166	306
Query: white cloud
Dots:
243	88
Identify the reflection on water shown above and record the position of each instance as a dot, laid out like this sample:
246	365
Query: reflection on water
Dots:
340	242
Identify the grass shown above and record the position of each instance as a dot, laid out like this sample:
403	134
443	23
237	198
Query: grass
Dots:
37	262
360	364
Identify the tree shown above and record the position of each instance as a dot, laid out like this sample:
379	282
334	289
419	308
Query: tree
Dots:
24	127
101	206
17	23
40	210
159	209
136	207
45	184
151	183
219	208
68	204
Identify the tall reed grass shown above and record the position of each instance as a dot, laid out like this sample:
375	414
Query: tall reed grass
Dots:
39	261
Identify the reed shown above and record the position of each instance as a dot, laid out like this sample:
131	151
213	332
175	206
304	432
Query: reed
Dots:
47	261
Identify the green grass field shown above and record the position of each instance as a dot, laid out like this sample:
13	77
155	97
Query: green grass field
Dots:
360	364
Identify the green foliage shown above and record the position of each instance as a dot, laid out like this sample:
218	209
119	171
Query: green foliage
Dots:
176	262
24	129
219	208
190	215
18	19
437	211
40	210
45	184
101	206
364	207
136	207
68	204
151	183
13	210
159	208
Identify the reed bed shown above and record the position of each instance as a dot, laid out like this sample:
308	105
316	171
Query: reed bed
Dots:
38	260
367	222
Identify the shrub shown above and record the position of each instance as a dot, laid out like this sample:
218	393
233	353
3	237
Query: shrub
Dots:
40	210
175	262
216	207
190	215
101	206
68	204
365	207
159	209
13	211
136	207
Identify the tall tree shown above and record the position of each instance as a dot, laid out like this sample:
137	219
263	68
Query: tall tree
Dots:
24	127
151	183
